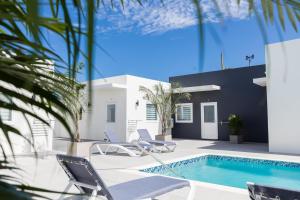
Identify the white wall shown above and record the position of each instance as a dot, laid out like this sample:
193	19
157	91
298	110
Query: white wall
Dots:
283	81
93	124
28	128
94	120
139	112
18	143
42	141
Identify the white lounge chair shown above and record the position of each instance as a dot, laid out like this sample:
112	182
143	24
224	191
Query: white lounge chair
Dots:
114	144
166	145
82	174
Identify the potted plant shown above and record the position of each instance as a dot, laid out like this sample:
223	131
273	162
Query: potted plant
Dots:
235	124
165	100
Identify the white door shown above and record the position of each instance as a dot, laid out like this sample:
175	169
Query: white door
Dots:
209	120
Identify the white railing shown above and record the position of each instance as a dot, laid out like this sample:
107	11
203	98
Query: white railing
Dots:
40	128
132	125
41	136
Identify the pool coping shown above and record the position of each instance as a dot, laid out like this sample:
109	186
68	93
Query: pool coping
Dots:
136	170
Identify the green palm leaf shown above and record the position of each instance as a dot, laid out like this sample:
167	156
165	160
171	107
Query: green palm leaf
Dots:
165	100
24	48
280	13
290	15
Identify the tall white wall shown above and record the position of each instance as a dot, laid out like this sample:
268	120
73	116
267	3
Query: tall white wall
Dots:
283	81
139	112
42	141
19	144
94	122
42	134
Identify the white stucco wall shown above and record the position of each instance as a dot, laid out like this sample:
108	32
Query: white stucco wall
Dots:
139	112
19	144
94	122
43	134
283	80
42	137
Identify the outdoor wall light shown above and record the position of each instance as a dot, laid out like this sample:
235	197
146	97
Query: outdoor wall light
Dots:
137	103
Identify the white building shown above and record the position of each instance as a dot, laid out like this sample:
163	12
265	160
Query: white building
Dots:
283	94
38	134
283	97
117	105
41	135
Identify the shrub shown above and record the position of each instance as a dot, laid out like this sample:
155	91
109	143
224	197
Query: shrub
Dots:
235	124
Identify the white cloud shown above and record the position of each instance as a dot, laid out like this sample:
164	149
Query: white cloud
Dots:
155	17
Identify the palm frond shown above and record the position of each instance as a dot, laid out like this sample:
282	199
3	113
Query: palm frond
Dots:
165	100
24	50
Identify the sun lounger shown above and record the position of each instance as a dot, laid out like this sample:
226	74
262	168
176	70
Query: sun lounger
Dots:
262	192
82	174
145	136
114	144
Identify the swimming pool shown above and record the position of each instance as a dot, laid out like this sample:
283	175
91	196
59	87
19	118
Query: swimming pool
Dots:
234	171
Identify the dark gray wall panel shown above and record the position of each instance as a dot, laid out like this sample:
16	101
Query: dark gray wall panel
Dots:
238	95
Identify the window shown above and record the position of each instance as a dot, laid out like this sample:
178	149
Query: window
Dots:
151	112
111	113
5	114
184	113
209	114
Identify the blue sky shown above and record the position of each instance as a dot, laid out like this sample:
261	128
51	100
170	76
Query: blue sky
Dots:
162	41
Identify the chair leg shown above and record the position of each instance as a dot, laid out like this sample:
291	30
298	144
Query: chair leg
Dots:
65	191
106	149
167	148
170	148
173	149
100	150
112	149
191	194
93	195
157	150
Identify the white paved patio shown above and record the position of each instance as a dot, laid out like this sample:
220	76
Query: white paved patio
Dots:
45	172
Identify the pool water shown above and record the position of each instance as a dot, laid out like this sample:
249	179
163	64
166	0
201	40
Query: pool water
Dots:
234	171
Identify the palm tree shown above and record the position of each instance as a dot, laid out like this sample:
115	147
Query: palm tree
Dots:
165	100
25	52
79	90
25	78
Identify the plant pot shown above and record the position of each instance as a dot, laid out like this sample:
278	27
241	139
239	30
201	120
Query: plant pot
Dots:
80	149
236	139
167	137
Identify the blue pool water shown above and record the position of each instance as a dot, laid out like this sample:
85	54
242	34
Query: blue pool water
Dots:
235	172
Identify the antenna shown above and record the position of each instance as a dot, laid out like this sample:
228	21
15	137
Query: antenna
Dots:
249	58
222	61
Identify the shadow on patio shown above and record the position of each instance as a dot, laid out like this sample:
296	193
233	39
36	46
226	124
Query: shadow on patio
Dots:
227	146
